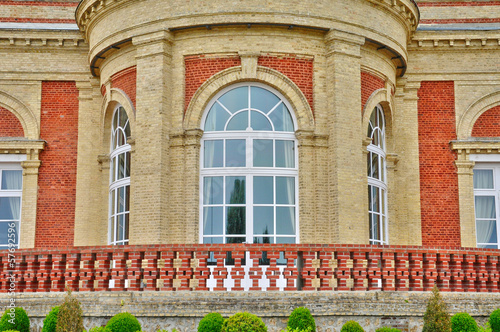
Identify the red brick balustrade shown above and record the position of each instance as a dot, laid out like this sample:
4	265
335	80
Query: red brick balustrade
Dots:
253	267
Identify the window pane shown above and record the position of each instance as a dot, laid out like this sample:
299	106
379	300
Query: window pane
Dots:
260	122
285	220
235	220
4	233
121	225
235	190
235	153
235	240
10	208
263	99
485	207
121	199
212	221
122	117
216	119
483	179
113	199
238	122
374	165
486	231
12	180
212	190
285	156
263	191
213	240
281	119
375	227
112	169
121	166
127	198
375	199
285	190
263	153
263	220
235	99
213	154
127	163
285	240
264	240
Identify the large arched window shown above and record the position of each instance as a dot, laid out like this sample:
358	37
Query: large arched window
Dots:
248	168
119	189
377	183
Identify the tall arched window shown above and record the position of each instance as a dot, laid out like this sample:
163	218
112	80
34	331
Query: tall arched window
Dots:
119	189
248	168
377	183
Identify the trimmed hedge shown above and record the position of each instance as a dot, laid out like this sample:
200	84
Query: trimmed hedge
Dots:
495	321
352	326
463	322
243	322
123	322
301	319
50	321
388	329
20	318
211	323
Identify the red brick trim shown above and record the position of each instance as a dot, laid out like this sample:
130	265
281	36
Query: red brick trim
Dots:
10	126
34	20
438	176
459	4
125	80
488	124
39	3
55	220
369	84
461	20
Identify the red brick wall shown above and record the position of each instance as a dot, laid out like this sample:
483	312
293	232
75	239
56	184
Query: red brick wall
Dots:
125	80
298	69
57	177
438	176
9	124
200	68
488	124
369	83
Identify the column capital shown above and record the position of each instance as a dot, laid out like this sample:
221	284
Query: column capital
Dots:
156	43
345	43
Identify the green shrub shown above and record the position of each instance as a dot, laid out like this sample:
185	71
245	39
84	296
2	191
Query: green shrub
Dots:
436	317
495	321
211	323
99	329
15	319
485	328
244	322
50	321
387	329
10	331
463	322
70	318
351	326
301	319
288	329
123	322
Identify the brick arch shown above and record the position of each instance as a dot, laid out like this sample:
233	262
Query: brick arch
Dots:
10	126
488	124
382	97
23	114
273	78
474	111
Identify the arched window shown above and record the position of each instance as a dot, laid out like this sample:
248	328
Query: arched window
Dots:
119	189
377	183
248	168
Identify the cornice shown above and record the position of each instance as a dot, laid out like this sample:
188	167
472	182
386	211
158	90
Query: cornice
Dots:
43	39
449	40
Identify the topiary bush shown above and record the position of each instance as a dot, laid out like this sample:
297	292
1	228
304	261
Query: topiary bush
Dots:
10	331
123	322
69	318
388	329
15	319
99	329
301	319
289	329
50	321
495	321
243	322
211	323
351	326
436	317
463	322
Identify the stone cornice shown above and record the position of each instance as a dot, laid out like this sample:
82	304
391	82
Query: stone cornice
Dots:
29	147
450	40
482	146
43	39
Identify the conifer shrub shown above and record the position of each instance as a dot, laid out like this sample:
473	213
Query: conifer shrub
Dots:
351	326
463	322
99	329
50	321
301	319
10	331
211	323
244	322
436	317
123	322
15	319
495	321
70	318
388	329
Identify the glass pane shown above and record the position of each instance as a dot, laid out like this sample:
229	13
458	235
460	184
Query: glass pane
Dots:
238	122
213	240
285	156
213	154
235	190
127	164
375	199
285	240
121	166
216	119
12	180
212	221
375	227
235	99
115	120
263	153
10	208
263	220
122	117
122	198
262	99
486	231
236	153
235	220
264	240
212	190
127	198
120	138
483	179
121	227
235	240
263	191
4	233
260	122
281	119
127	130
285	190
112	169
485	207
113	199
374	165
285	220
126	226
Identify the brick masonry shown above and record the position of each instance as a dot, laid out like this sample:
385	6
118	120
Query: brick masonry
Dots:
57	175
125	80
438	176
9	124
488	124
369	83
